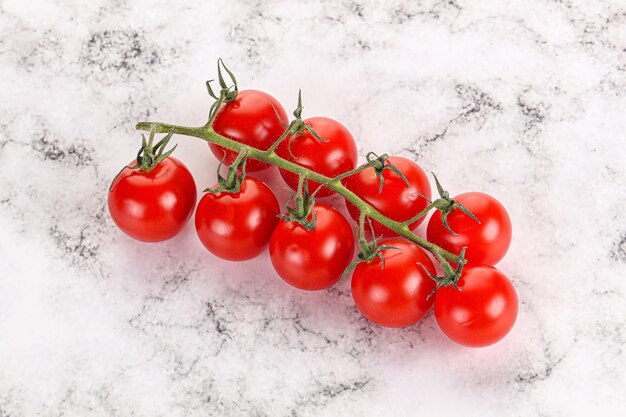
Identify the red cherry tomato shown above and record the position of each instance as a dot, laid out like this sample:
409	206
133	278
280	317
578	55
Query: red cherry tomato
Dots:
331	158
249	119
313	260
396	295
153	206
237	226
486	242
396	201
483	312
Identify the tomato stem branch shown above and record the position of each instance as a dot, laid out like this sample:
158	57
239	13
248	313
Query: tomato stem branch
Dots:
419	215
363	243
207	133
354	171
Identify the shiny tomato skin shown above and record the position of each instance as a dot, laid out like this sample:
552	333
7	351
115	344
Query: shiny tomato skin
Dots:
483	312
331	158
396	295
249	119
237	226
396	201
153	206
486	242
313	260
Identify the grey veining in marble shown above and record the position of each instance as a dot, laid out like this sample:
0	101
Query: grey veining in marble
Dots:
523	100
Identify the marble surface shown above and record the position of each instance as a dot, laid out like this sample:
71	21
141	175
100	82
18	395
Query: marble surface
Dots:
523	100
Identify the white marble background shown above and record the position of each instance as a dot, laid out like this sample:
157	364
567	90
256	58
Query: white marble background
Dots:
524	100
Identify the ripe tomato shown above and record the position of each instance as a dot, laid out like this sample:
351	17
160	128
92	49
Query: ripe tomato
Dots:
153	206
397	200
249	119
331	158
487	241
237	226
313	260
483	312
396	295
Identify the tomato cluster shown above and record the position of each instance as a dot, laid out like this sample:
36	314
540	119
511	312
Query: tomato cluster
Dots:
394	285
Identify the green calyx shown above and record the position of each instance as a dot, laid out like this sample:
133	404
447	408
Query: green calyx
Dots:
447	205
149	155
227	93
297	127
450	276
303	206
301	127
234	177
381	163
369	250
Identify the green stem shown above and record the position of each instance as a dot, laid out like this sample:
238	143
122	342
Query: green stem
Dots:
300	209
208	134
354	171
291	129
419	215
362	240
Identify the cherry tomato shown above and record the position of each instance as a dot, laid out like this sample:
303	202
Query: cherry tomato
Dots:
396	295
483	312
249	119
397	200
153	206
313	260
237	226
331	158
486	242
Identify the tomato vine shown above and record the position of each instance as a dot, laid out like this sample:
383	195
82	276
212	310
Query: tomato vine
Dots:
311	244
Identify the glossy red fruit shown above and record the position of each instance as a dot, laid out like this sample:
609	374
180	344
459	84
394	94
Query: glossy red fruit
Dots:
397	200
331	158
483	312
396	295
486	242
153	206
249	119
237	226
313	260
